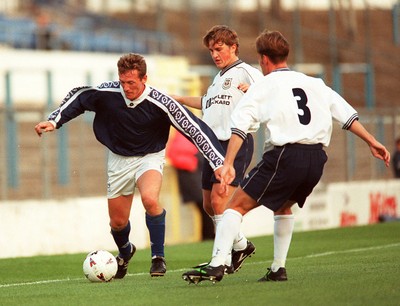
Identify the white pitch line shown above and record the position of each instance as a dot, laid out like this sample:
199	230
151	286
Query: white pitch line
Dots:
38	282
379	247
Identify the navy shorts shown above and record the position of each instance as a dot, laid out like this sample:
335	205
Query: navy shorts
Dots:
288	172
242	162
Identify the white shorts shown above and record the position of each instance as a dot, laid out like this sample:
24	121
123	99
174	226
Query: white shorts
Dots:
124	171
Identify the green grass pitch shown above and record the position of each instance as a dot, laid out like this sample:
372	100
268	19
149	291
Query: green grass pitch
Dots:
346	266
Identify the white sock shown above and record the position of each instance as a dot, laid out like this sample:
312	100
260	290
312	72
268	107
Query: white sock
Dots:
283	230
240	242
216	219
227	230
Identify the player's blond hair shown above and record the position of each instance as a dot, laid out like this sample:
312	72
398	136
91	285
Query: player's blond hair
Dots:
132	61
221	34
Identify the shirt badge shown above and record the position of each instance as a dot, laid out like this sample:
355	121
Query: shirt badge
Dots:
227	83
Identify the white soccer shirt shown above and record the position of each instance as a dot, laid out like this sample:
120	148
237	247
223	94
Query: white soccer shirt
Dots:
223	95
295	108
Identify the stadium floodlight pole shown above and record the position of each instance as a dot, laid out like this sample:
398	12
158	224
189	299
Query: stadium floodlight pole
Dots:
11	141
193	26
333	48
62	147
369	84
227	4
160	24
260	16
396	23
298	46
3	153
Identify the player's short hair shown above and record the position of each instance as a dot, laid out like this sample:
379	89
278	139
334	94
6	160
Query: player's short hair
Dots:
223	34
132	61
274	45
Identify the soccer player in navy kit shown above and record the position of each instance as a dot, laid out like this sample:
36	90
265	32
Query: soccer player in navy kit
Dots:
297	111
221	98
133	121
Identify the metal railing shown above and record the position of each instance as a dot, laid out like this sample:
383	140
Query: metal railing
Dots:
71	163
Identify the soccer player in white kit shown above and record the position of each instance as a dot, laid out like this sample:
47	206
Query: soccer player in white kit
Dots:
297	111
217	105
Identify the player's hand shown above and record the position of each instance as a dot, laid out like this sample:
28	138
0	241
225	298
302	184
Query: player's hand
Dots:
222	186
379	151
243	87
227	175
43	127
217	173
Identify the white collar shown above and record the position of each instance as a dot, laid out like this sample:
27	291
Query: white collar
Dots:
135	102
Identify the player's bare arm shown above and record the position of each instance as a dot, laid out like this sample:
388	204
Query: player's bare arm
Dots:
194	102
377	149
43	127
227	174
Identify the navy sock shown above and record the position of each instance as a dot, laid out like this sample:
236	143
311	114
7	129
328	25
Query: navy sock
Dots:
156	226
121	238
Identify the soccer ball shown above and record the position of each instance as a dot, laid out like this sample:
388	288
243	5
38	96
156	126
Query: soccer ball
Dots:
100	266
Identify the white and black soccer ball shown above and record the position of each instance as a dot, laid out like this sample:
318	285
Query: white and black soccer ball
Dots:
100	266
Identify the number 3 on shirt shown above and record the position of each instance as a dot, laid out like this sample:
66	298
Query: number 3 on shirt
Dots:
301	99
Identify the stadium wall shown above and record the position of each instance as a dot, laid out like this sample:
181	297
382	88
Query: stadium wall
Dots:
78	225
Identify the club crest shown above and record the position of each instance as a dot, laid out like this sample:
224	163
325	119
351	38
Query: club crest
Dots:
227	83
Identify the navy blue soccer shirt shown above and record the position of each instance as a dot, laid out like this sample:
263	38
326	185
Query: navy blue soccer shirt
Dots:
138	127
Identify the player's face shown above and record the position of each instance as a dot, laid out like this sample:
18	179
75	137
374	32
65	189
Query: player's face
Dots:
132	84
222	54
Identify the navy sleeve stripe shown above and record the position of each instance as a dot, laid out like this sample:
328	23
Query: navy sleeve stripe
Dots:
70	98
239	133
198	132
75	93
349	122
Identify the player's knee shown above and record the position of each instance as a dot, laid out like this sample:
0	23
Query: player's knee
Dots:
149	200
151	205
118	223
219	202
219	206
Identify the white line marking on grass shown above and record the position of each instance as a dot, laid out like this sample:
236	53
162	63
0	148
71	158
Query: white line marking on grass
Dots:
378	247
50	281
38	282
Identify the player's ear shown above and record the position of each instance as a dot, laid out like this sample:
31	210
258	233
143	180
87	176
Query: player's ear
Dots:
144	79
262	59
235	49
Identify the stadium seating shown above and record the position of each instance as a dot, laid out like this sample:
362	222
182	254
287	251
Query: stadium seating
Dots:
84	34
